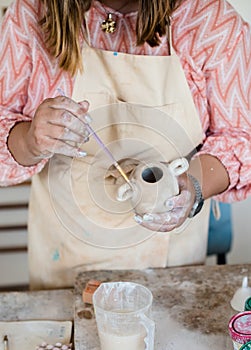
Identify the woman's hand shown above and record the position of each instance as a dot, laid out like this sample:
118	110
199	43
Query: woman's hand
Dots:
179	208
60	126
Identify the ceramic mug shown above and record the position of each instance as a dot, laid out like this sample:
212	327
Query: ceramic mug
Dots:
152	185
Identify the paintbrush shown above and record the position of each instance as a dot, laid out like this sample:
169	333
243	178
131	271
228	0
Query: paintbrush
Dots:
104	148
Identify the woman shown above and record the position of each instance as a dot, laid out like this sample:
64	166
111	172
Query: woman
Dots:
159	78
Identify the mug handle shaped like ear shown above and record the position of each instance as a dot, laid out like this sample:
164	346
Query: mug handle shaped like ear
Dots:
124	193
149	326
178	166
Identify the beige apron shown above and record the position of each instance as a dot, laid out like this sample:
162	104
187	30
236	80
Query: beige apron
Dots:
143	110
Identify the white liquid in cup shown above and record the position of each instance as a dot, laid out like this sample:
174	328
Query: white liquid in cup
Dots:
110	341
122	314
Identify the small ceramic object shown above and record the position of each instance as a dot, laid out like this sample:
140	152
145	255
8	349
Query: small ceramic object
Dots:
241	295
90	288
152	185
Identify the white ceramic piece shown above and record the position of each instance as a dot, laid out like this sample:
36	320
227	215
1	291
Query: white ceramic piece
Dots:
241	295
153	184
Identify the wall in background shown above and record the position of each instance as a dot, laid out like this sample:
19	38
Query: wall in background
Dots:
243	7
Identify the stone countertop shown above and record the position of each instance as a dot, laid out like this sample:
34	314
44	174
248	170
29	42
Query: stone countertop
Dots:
29	318
37	305
191	305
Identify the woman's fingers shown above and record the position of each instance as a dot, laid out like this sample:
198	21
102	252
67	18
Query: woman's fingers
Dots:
60	126
174	217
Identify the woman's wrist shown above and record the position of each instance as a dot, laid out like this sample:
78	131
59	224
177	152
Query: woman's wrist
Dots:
18	145
210	173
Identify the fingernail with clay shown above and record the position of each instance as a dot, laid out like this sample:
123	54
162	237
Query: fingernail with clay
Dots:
88	118
169	204
138	219
86	133
81	153
167	217
148	218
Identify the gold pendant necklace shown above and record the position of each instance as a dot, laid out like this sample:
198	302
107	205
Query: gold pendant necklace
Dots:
108	25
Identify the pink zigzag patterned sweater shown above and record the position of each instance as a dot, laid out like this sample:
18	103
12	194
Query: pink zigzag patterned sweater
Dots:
212	41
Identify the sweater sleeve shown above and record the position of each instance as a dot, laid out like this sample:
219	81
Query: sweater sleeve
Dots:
228	80
215	45
15	70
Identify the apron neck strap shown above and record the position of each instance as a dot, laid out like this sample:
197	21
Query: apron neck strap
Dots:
169	37
87	36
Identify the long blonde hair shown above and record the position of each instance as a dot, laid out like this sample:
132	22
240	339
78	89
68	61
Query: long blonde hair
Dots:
64	27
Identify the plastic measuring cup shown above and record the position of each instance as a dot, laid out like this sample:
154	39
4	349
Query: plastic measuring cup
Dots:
122	311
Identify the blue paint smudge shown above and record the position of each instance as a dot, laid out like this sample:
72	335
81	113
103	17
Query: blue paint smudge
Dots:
56	255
